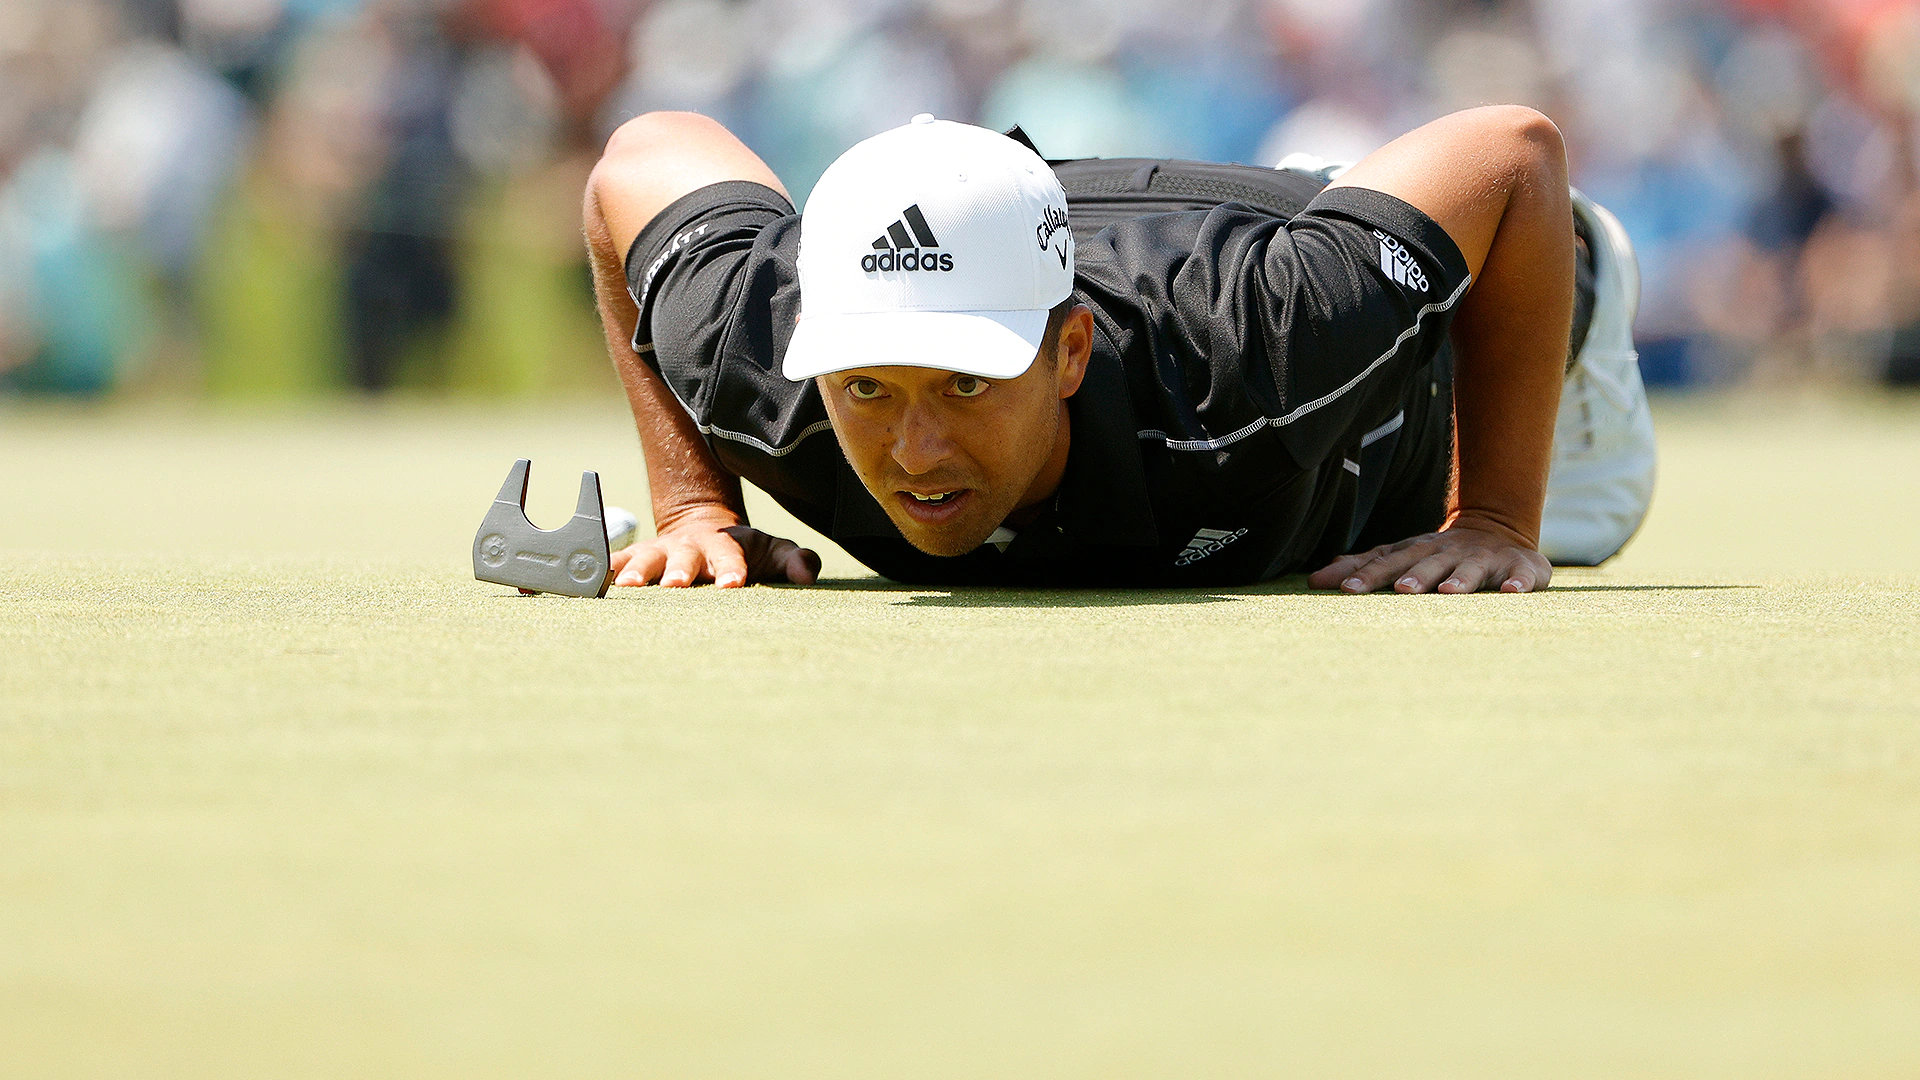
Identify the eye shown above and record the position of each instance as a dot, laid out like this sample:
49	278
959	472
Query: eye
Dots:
863	389
968	386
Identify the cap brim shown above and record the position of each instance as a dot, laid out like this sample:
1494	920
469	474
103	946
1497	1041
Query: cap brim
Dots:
990	344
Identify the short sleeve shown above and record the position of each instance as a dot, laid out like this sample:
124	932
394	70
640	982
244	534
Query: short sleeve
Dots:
706	274
1363	288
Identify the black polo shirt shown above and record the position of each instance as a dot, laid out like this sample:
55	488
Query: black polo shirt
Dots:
1262	395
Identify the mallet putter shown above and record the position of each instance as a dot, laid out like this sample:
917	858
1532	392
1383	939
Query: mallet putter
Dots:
571	560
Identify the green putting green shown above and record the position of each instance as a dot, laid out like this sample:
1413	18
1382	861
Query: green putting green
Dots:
285	793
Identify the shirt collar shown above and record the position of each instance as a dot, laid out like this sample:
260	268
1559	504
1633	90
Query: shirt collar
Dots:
1103	493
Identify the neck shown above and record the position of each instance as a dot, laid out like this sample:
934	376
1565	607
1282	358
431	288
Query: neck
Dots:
1047	483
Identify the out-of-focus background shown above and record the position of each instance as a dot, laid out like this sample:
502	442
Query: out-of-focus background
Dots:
284	793
280	198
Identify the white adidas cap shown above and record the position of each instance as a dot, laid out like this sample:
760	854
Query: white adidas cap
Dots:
937	245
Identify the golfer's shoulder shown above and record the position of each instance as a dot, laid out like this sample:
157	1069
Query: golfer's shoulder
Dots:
713	234
653	160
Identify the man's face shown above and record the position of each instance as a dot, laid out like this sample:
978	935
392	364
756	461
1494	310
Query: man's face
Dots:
949	456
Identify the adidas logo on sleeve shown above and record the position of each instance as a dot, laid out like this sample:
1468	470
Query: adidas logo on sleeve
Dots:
899	248
1399	264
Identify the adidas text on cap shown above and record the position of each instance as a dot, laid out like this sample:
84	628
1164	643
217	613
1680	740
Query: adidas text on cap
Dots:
936	244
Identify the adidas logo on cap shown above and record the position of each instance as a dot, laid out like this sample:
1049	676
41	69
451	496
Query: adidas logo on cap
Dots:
897	249
926	232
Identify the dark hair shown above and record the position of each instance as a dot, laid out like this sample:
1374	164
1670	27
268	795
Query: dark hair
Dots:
1056	319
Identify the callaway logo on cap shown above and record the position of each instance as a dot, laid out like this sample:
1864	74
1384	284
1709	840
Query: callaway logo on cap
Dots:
936	245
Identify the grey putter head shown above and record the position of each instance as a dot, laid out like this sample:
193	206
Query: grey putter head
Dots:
571	560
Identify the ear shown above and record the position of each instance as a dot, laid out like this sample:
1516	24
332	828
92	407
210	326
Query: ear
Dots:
1075	349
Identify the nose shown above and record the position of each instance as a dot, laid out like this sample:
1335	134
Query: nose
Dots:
920	442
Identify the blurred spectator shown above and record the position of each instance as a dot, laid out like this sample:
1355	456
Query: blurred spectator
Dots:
70	315
399	247
272	287
308	195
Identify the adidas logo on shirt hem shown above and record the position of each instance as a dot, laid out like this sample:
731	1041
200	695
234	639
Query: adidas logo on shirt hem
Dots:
899	247
1204	543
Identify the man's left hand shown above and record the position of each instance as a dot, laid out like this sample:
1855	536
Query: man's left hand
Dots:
1462	559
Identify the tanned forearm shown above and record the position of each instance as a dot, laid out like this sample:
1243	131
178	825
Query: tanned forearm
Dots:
1510	347
1496	180
699	518
682	474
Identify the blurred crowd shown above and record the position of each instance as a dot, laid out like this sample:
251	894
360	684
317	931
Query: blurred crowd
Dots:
277	197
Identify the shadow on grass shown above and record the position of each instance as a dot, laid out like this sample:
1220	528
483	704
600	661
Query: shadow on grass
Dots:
994	596
1100	596
969	596
1645	588
1064	598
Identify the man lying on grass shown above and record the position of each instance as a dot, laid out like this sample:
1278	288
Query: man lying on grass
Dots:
923	368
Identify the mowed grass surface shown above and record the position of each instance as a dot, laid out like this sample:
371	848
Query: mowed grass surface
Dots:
284	793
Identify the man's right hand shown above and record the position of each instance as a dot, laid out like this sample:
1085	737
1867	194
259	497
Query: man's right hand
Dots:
650	162
714	548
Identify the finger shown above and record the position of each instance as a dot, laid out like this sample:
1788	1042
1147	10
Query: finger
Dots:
725	561
802	565
1339	569
1384	568
775	559
644	566
618	560
1526	575
770	558
684	564
1423	574
1471	575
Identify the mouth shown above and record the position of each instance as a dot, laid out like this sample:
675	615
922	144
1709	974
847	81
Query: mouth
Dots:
933	507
